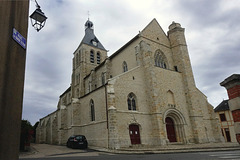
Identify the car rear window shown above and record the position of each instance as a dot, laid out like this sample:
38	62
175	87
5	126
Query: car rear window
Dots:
79	137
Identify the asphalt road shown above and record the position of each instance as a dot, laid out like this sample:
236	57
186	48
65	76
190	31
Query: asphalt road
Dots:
91	155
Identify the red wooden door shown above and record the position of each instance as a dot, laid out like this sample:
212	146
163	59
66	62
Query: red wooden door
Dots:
134	134
171	134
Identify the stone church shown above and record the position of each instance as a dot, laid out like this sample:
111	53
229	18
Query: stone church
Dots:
144	93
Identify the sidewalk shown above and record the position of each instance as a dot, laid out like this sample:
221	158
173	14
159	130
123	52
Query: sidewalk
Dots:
46	150
180	148
172	148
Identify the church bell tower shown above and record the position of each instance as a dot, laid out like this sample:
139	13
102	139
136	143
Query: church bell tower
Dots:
89	54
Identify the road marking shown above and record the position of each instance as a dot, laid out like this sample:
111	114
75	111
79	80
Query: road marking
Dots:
227	154
230	157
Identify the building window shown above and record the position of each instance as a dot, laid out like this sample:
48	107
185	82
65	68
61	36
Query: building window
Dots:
77	59
77	79
227	133
98	58
222	117
69	97
77	92
103	78
131	102
64	100
176	68
92	110
92	56
125	68
89	86
160	60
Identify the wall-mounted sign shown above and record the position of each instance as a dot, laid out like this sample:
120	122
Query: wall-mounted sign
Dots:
19	38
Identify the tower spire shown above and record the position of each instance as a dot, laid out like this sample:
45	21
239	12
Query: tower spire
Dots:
90	38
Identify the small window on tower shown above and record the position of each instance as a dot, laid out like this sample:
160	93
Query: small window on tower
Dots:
92	56
98	58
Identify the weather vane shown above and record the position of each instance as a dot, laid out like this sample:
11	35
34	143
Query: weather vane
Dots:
88	15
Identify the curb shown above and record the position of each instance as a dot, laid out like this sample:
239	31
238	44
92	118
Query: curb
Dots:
167	150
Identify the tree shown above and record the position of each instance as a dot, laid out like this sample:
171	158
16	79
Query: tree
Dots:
34	128
26	134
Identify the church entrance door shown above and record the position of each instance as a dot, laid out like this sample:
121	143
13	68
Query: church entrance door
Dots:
171	134
134	134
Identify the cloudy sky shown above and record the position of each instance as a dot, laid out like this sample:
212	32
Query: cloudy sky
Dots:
212	30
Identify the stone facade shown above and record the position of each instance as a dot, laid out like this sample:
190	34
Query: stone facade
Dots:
144	93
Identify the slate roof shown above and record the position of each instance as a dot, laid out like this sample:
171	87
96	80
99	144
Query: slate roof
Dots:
89	36
223	106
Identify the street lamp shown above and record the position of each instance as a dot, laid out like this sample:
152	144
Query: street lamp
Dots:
38	19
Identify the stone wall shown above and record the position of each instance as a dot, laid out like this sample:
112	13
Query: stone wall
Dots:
95	131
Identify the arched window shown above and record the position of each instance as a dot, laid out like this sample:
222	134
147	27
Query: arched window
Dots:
131	100
92	110
98	58
160	60
125	68
92	56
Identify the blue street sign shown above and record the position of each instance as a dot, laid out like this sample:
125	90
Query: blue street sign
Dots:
19	38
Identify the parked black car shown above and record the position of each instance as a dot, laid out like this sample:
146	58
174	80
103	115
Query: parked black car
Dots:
77	141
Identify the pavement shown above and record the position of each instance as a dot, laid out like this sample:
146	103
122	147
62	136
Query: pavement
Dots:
47	150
